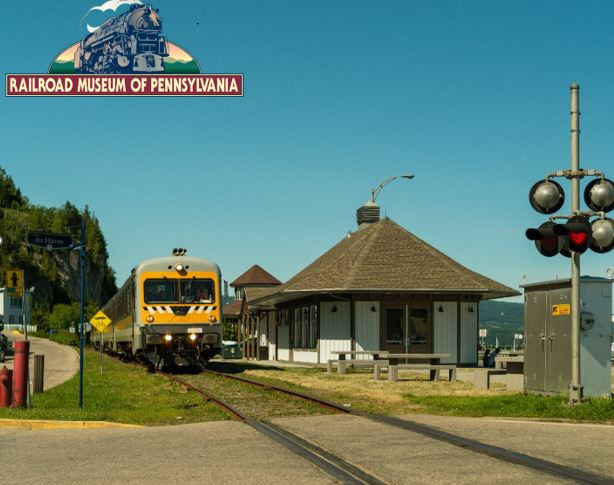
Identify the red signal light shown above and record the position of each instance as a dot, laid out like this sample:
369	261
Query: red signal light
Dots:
578	238
577	231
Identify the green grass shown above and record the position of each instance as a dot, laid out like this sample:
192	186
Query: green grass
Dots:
63	337
122	393
431	400
516	405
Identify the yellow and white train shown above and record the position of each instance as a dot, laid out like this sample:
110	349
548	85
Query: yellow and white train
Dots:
168	312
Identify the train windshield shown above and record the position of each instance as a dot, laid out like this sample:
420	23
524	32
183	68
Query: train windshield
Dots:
197	291
161	291
167	290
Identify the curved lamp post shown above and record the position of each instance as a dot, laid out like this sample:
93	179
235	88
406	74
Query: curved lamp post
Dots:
375	192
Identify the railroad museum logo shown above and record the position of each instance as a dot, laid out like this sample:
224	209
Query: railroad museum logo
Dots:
127	55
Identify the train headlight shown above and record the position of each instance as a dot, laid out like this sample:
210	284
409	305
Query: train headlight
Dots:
168	337
150	318
212	318
192	337
179	267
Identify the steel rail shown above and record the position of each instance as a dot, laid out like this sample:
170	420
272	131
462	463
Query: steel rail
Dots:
229	408
496	452
332	464
316	399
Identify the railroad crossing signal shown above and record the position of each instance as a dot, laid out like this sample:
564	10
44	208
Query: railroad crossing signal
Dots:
546	196
546	241
14	282
100	321
599	195
578	232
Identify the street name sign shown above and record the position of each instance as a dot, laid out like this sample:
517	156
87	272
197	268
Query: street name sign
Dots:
100	321
50	241
14	282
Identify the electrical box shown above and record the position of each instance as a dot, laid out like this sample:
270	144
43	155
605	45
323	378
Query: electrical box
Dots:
547	324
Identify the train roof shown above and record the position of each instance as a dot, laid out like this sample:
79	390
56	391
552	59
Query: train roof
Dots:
162	264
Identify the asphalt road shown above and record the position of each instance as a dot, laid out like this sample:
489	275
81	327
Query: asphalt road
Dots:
231	452
217	452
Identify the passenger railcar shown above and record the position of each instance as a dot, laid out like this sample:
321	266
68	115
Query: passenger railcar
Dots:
168	312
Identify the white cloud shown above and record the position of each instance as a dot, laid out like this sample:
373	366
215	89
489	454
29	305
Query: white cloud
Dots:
109	5
113	5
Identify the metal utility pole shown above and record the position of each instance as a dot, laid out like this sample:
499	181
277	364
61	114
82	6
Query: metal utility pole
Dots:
82	298
575	388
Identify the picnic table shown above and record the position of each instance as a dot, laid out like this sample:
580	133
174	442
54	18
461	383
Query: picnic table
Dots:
380	359
434	365
342	362
514	366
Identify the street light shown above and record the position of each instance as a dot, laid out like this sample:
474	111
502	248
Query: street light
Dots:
375	192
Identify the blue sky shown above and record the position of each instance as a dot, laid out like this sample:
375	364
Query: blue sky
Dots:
471	97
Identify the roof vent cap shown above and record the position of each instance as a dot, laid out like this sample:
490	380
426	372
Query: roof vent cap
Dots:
367	214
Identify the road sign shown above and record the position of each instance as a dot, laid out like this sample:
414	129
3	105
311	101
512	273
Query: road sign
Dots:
483	332
100	321
14	282
50	241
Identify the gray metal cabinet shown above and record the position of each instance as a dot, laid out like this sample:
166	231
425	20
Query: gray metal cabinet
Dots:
547	359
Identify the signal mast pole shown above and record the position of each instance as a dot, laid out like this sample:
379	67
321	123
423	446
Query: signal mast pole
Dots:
575	388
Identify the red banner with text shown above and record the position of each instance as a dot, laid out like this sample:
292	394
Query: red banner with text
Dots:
124	85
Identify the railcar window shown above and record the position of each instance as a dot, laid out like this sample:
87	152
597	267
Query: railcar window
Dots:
161	291
197	291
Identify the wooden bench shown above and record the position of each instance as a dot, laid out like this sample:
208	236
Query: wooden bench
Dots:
481	377
343	363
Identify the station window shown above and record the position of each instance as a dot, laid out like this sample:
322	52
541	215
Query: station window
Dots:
303	321
15	302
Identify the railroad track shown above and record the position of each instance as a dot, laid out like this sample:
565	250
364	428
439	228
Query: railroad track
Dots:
332	464
345	471
552	468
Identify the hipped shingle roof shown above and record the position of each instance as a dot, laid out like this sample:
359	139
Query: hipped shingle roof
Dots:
386	257
257	276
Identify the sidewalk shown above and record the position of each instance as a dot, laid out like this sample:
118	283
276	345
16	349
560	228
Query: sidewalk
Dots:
61	361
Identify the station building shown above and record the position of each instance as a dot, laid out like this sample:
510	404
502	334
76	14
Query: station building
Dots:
236	312
12	311
380	288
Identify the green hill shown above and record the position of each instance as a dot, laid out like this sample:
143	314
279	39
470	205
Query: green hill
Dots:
54	275
502	320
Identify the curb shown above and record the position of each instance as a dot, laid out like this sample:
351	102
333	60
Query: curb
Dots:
47	424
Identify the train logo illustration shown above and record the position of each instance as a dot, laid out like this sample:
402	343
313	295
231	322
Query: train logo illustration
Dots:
129	43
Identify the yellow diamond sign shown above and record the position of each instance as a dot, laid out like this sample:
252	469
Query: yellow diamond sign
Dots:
100	321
